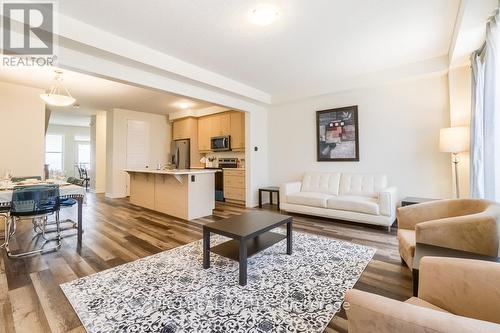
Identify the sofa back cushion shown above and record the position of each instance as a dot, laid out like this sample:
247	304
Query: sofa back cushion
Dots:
364	185
321	182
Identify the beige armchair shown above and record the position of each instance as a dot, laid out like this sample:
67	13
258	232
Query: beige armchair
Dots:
470	225
455	295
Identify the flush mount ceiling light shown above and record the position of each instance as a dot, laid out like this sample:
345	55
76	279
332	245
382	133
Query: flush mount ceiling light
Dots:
263	15
58	95
184	105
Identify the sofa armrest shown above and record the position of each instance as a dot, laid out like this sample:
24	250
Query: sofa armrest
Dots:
388	200
289	188
367	313
477	233
462	286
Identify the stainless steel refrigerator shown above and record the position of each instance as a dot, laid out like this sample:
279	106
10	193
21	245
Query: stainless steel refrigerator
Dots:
180	154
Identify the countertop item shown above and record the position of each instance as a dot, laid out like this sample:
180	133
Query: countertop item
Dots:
172	172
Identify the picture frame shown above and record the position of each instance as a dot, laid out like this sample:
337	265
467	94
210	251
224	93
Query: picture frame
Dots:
337	134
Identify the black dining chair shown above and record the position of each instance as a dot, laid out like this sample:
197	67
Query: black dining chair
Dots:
84	176
35	203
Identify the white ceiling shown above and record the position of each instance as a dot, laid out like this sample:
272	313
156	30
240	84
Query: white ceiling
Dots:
93	93
314	44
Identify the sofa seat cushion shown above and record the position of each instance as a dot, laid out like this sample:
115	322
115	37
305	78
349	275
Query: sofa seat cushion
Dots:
354	204
308	199
420	302
407	242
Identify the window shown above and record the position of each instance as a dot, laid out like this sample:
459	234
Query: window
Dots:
54	151
80	137
83	155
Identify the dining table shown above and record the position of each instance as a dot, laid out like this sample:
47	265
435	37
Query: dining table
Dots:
66	190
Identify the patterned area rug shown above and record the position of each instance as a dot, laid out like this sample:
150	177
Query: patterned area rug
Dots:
171	292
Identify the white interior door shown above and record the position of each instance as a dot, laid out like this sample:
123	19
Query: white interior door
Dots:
138	146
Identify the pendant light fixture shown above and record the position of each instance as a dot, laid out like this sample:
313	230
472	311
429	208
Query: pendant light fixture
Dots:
58	95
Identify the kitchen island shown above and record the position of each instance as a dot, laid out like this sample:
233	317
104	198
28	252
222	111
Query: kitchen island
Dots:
186	194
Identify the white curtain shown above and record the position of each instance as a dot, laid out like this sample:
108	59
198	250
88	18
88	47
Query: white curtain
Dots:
485	122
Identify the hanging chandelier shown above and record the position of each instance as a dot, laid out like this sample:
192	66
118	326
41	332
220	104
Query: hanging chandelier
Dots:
58	95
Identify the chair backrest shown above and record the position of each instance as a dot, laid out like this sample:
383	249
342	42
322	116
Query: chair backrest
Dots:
35	200
84	173
79	171
20	179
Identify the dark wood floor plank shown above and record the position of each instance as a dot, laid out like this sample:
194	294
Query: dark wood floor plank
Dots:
59	313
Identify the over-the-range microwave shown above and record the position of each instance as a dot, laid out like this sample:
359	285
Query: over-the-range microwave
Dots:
220	143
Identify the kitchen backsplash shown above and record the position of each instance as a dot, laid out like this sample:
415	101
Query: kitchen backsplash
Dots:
227	154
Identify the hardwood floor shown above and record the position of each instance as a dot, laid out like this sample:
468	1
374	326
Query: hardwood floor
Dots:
117	232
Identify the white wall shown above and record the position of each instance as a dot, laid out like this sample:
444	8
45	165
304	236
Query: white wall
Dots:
98	141
460	82
116	146
257	151
398	132
69	145
22	130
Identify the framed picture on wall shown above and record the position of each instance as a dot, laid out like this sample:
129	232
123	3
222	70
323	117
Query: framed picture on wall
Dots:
337	134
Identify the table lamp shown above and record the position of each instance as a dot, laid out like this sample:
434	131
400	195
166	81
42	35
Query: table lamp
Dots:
454	140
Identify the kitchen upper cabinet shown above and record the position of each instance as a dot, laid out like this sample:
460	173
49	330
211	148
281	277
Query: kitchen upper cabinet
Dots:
222	124
187	128
237	126
204	133
181	129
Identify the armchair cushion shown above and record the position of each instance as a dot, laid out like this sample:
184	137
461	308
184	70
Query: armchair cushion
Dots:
407	245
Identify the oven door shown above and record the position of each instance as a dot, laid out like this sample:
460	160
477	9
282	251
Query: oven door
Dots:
220	143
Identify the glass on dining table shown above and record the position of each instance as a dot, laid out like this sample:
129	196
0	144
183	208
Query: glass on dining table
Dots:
7	175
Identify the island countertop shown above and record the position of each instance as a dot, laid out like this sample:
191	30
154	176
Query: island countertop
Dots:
175	172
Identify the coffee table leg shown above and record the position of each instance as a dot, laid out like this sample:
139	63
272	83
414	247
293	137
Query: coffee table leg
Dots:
206	248
243	262
289	238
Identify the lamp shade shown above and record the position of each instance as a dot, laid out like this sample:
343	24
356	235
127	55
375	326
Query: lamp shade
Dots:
454	139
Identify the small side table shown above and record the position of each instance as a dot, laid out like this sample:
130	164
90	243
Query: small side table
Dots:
414	200
271	190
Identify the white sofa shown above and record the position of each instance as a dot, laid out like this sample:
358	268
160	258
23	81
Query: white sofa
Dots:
344	196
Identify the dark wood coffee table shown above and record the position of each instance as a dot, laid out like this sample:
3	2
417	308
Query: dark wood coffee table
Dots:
426	250
250	233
